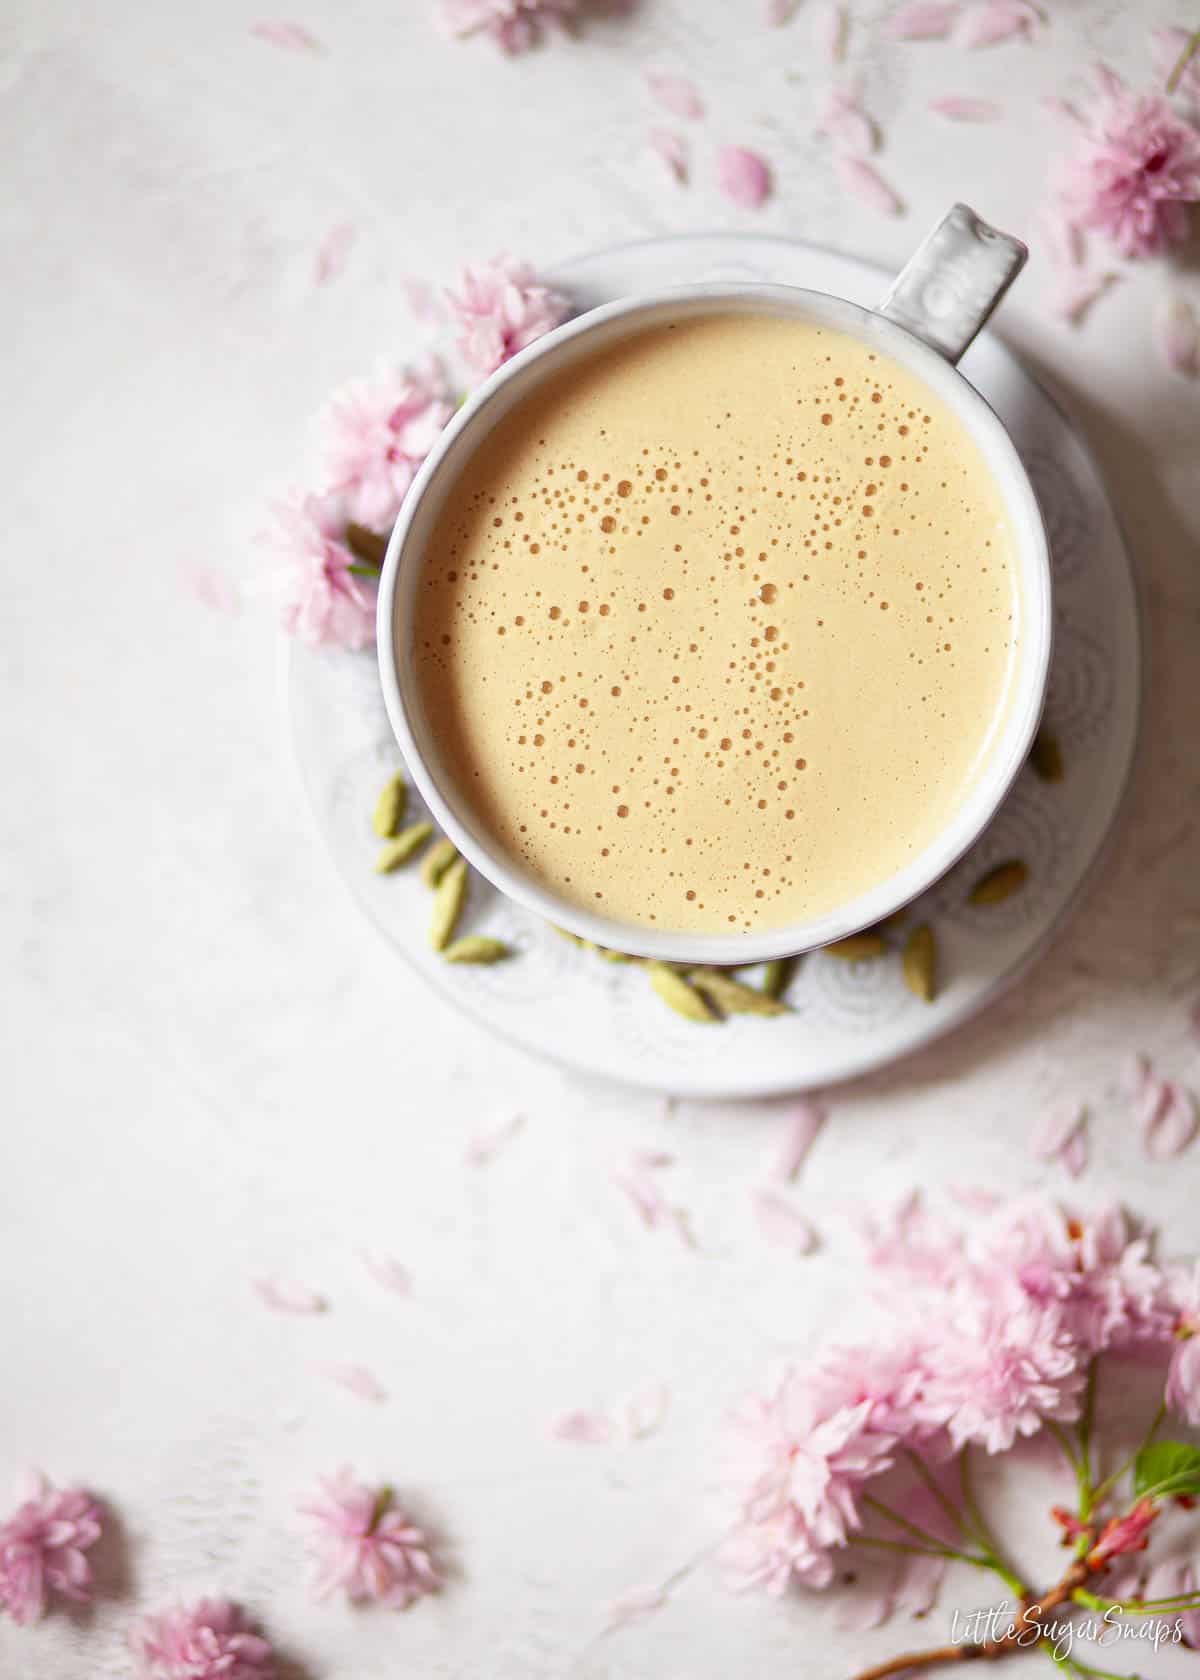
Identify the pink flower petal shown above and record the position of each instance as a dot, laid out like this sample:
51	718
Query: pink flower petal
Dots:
1074	1153
1002	20
1194	1020
975	1198
1109	83
634	1606
743	176
1078	293
333	251
643	1414
646	1200
589	1429
486	1145
781	1223
1061	237
672	149
357	1379
676	94
1135	1075
212	587
420	297
780	12
281	32
284	1295
847	124
918	1583
637	1183
806	1121
865	181
961	109
829	30
868	1604
922	20
1169	1120
388	1273
1055	1129
1179	336
1060	107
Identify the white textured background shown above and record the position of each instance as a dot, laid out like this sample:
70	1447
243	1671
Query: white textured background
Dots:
213	1069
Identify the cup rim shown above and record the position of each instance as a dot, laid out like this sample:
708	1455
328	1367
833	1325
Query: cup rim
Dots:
994	780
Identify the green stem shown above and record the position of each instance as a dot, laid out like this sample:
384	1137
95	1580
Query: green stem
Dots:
921	1534
1135	1606
365	571
982	1534
1110	1482
1064	1441
904	1546
936	1489
1086	1423
1190	49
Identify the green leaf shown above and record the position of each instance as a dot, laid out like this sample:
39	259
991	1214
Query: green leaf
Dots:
1167	1470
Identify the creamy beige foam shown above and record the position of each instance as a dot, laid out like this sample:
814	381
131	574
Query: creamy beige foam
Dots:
716	626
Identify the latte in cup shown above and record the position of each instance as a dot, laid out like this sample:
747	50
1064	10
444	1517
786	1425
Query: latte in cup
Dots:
717	627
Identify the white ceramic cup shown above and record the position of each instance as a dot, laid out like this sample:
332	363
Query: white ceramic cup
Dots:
932	312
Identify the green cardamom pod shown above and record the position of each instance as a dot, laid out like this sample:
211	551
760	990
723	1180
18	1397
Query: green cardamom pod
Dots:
1046	756
1000	883
475	948
919	963
731	997
366	545
675	992
777	976
437	860
449	896
859	947
389	808
405	846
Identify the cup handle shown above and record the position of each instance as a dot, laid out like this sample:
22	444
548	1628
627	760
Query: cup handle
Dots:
950	285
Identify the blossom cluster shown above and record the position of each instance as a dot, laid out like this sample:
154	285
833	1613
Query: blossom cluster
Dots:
1135	171
991	1338
375	435
366	1546
514	25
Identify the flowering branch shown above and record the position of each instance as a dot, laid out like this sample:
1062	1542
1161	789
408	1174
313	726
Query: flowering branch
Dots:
1001	1340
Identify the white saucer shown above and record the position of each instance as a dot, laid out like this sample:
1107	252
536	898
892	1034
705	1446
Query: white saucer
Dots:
848	1018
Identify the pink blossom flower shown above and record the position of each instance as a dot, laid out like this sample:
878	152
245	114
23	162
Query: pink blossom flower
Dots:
42	1546
803	1469
367	1547
325	601
1000	1364
1183	1374
1098	1271
1136	171
887	1376
378	433
1119	1535
501	308
210	1640
514	25
916	1246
